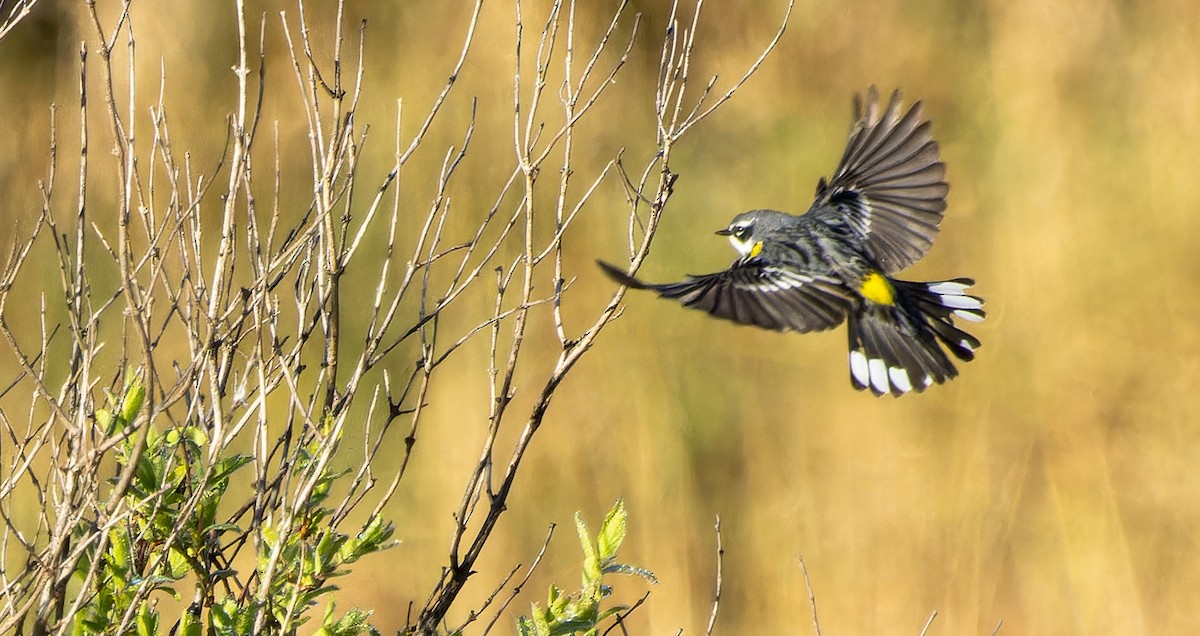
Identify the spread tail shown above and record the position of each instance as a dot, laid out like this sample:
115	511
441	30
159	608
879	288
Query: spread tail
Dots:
897	348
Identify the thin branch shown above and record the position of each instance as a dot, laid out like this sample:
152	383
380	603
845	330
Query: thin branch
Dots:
712	617
812	599
19	11
516	590
621	616
928	623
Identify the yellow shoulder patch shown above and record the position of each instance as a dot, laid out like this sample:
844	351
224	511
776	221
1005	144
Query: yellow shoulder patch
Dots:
876	288
756	250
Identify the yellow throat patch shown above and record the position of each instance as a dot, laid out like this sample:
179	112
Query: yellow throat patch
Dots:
876	288
756	250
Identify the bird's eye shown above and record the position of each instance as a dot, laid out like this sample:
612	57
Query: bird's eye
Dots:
741	232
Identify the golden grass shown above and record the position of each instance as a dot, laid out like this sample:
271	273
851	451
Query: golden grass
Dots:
1052	486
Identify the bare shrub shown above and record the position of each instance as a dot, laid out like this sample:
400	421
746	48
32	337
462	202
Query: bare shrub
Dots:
199	330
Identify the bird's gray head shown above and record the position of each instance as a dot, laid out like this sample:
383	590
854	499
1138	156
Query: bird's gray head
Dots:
746	230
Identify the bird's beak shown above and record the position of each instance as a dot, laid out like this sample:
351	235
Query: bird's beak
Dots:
724	232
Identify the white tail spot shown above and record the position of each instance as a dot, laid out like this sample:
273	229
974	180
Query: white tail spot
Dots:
949	287
960	302
879	375
858	368
968	315
900	380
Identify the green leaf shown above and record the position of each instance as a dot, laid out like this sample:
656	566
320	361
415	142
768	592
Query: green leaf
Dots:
135	394
222	621
177	564
612	532
189	624
581	613
325	557
327	620
352	624
571	626
222	527
196	435
146	621
371	539
617	568
615	609
149	473
157	583
541	623
106	422
172	437
120	556
270	536
557	601
591	565
226	466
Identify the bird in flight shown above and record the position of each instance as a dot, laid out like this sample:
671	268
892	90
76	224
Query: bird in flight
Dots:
878	214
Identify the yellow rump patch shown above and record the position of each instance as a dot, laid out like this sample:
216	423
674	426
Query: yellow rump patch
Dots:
876	288
756	250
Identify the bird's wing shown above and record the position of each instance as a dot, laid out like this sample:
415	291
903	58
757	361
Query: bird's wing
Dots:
756	293
890	183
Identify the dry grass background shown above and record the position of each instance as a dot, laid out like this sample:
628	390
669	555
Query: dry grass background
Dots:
1052	486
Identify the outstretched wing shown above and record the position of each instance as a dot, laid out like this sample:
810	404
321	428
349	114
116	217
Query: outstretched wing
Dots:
755	293
890	183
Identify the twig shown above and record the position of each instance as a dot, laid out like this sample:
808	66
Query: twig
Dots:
621	616
812	599
712	617
928	623
16	13
234	322
521	584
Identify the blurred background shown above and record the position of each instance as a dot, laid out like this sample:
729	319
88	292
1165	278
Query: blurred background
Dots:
1052	486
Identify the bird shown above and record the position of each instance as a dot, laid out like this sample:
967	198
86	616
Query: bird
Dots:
878	214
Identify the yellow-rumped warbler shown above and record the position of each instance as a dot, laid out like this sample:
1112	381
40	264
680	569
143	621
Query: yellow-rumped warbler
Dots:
877	215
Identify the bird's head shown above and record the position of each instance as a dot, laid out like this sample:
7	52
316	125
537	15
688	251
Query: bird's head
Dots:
746	231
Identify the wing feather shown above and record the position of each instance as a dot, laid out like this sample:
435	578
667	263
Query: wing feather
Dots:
756	293
890	183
